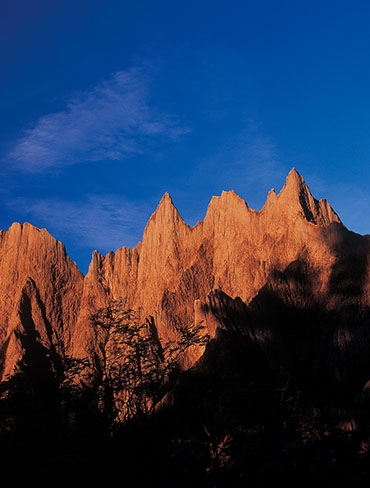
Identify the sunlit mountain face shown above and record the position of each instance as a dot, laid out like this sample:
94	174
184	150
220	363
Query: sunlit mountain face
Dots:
231	353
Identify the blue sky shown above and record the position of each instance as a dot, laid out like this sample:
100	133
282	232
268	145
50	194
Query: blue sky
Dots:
107	105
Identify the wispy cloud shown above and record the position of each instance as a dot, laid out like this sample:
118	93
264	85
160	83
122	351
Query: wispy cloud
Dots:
105	223
111	121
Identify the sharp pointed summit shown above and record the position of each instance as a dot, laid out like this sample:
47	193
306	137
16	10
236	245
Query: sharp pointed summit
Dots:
165	211
296	197
295	187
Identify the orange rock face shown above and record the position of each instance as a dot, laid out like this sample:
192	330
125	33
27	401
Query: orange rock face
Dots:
172	273
40	292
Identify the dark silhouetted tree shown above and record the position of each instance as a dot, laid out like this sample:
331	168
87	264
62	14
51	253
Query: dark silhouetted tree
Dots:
138	369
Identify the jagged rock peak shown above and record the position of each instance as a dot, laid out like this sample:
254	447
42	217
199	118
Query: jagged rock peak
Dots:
228	201
166	200
165	214
230	197
296	198
17	229
27	236
295	186
165	206
295	178
96	261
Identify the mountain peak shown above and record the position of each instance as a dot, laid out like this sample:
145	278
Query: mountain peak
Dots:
293	173
296	197
166	208
164	220
295	183
226	201
166	199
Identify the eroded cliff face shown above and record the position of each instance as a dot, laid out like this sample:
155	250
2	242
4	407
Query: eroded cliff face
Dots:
234	249
40	292
293	254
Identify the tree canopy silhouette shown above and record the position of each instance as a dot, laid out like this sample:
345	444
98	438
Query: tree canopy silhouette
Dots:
138	368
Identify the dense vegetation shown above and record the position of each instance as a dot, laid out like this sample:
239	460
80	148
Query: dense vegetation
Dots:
134	414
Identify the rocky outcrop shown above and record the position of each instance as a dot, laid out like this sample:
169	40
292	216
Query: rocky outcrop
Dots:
40	293
294	276
281	387
235	249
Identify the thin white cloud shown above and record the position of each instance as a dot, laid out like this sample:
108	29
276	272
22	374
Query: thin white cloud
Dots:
111	121
105	223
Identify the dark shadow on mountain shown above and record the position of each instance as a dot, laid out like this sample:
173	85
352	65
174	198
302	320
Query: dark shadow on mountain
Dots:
243	417
349	271
278	396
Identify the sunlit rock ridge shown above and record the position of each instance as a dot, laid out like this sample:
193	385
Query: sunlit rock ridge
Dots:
290	279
